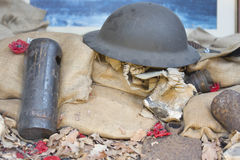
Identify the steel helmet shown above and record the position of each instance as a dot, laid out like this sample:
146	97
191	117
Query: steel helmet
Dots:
145	34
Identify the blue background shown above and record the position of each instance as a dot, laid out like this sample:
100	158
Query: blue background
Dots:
193	13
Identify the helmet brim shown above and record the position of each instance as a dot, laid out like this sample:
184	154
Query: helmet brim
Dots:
141	57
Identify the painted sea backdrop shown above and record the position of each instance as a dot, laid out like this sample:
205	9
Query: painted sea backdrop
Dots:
86	13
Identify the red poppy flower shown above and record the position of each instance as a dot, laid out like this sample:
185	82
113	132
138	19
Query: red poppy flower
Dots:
41	147
158	131
19	155
215	87
51	158
80	135
18	46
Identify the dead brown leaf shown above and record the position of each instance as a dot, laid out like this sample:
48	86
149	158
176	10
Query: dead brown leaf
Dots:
101	155
2	126
67	144
72	136
96	138
211	150
123	147
53	139
98	148
11	123
65	131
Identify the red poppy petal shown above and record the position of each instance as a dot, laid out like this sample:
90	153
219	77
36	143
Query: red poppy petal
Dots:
20	155
41	147
51	158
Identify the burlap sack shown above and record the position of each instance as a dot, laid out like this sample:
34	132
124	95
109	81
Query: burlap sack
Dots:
110	112
105	75
20	17
222	70
209	41
202	37
76	67
5	32
198	118
10	108
223	67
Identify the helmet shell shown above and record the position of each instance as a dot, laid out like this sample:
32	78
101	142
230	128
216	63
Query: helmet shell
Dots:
145	34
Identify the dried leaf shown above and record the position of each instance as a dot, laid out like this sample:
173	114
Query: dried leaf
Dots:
101	155
72	136
112	152
65	131
10	155
87	141
73	146
96	138
211	151
84	157
53	139
66	144
2	126
11	123
123	147
8	144
64	151
98	148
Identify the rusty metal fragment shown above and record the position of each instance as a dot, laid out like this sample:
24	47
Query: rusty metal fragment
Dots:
201	80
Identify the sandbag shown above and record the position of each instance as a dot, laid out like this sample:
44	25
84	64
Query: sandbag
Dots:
209	41
198	118
10	108
20	17
110	112
5	32
76	67
202	37
222	70
104	74
224	67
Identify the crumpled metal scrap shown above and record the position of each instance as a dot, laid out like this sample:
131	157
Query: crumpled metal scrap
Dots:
170	96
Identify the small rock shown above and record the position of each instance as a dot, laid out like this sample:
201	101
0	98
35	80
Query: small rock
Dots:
225	108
